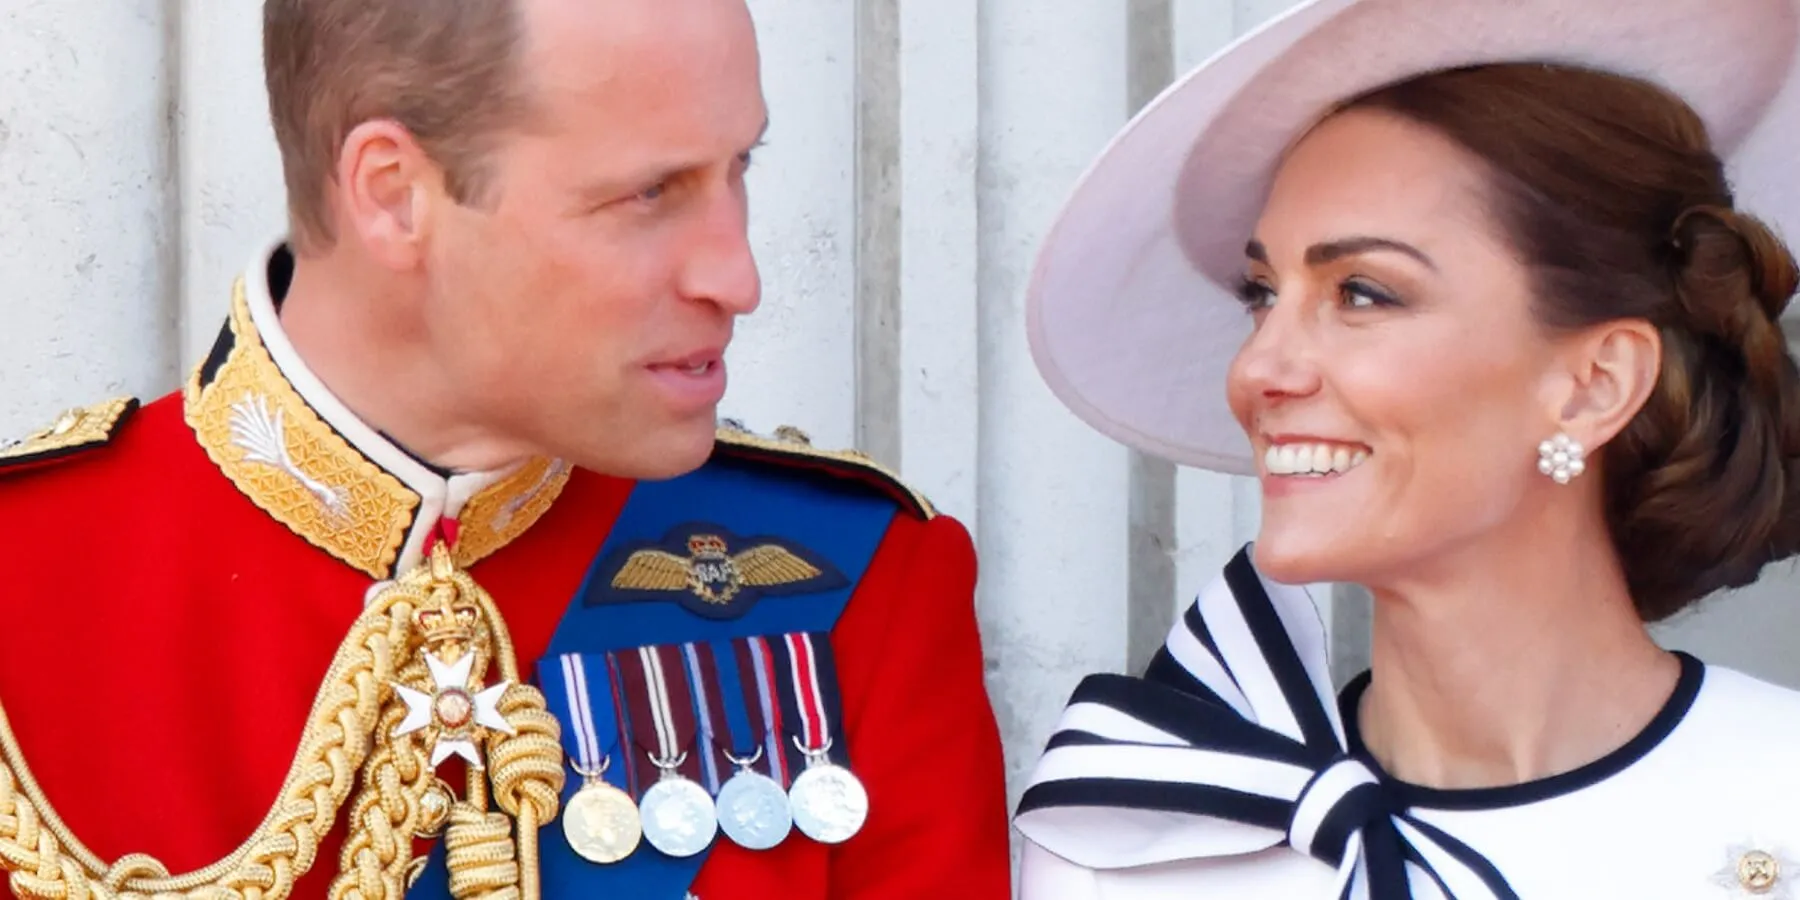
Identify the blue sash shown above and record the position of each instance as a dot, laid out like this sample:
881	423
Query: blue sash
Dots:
833	525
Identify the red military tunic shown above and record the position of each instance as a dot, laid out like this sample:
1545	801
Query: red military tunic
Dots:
171	605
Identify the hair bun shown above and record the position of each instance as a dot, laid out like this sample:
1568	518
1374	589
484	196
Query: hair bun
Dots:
1704	236
1734	278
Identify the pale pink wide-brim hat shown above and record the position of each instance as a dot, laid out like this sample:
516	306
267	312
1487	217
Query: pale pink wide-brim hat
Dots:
1130	310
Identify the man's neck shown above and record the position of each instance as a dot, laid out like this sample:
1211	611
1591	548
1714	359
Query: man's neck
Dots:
375	359
1520	661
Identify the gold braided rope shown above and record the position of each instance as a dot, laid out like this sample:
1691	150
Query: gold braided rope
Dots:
388	810
351	724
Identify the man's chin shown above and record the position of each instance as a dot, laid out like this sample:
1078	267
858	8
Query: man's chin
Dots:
672	454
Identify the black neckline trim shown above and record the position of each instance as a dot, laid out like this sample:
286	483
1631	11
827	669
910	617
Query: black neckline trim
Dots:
1407	794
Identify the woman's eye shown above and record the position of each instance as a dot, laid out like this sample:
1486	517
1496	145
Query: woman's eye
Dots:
1362	295
1255	295
652	192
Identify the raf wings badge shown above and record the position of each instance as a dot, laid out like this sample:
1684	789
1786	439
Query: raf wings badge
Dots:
712	572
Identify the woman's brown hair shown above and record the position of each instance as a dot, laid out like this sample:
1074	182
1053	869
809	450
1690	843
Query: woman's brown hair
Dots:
1614	198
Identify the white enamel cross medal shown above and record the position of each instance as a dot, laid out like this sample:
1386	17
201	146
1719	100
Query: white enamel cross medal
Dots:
454	708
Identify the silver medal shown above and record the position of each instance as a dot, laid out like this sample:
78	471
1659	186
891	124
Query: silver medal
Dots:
829	803
753	809
678	815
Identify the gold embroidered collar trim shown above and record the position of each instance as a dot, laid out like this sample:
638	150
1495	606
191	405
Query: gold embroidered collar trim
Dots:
339	484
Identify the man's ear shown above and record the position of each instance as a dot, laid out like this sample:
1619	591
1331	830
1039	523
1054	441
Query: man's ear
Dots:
384	187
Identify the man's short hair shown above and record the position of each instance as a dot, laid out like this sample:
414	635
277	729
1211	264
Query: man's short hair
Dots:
446	70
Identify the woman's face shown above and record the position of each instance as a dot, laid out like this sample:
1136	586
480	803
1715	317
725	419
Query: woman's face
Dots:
1396	385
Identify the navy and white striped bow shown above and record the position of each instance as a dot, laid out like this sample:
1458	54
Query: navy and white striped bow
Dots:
1231	743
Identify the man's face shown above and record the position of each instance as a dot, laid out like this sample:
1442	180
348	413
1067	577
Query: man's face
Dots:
584	310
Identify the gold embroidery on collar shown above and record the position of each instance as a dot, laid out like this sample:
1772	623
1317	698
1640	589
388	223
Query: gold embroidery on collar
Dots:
288	461
505	509
265	437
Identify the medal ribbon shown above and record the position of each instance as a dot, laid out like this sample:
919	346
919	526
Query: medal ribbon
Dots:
742	730
759	663
708	699
810	674
588	755
744	733
638	772
661	707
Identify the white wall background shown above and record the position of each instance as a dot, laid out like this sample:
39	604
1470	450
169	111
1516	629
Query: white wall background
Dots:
918	150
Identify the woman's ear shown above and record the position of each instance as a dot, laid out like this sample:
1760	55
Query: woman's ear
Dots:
1612	368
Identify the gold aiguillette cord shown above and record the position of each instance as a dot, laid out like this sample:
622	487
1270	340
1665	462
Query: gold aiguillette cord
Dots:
435	608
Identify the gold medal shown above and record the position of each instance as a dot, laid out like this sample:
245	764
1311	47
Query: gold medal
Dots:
601	823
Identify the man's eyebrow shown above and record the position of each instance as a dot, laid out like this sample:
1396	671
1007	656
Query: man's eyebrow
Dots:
658	173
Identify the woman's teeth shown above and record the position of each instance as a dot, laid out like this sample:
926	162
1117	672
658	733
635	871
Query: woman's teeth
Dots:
1312	459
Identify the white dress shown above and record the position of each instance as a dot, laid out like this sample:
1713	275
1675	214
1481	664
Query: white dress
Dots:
1134	800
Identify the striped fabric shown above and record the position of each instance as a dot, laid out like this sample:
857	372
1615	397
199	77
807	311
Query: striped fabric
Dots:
1231	744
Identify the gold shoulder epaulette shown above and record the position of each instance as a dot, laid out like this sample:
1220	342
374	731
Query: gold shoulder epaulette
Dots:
73	432
791	447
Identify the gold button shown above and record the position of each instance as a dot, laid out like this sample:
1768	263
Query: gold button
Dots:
1758	871
434	809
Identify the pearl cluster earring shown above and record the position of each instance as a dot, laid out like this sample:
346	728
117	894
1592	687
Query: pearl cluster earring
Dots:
1561	458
